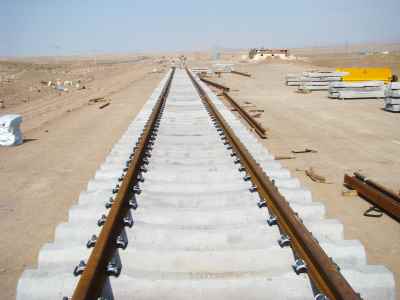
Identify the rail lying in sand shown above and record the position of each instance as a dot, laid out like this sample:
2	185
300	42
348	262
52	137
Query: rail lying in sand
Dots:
260	130
215	84
184	218
375	193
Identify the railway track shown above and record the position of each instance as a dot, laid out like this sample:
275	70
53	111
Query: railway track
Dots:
200	209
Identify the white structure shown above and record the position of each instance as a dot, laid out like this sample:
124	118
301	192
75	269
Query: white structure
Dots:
392	97
10	133
223	67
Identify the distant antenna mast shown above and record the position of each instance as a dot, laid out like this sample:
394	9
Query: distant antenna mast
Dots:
57	52
216	54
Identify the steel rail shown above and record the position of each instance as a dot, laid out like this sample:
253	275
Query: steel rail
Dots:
375	193
378	186
241	73
215	84
245	115
323	272
94	276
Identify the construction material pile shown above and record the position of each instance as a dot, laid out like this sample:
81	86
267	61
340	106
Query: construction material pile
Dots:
223	68
356	90
203	71
392	97
314	80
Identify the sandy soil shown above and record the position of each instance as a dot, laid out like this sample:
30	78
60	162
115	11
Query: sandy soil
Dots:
350	135
391	61
67	140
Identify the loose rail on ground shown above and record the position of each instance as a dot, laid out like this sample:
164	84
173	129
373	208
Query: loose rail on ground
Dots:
215	84
241	73
245	115
375	193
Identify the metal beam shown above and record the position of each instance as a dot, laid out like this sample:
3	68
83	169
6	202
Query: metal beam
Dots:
245	115
215	84
241	73
375	193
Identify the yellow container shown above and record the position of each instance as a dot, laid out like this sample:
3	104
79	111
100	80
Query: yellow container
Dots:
366	74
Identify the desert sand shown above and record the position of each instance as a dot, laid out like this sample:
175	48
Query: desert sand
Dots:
66	140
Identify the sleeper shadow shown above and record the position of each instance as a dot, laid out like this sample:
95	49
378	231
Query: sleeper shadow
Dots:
29	140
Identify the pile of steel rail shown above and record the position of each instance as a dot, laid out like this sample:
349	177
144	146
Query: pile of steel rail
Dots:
258	128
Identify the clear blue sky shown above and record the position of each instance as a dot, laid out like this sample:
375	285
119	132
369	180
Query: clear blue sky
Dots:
39	27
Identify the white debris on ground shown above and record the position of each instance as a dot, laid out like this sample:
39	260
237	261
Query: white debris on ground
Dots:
216	68
10	133
62	86
223	67
200	70
392	97
357	90
158	70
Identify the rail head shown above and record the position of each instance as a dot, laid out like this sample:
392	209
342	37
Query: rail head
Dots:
94	276
323	272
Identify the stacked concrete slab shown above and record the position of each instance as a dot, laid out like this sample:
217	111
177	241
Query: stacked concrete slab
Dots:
198	231
356	90
392	97
314	80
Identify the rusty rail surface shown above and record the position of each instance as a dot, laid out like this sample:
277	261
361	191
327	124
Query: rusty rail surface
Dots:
241	73
323	272
375	193
215	84
245	115
93	278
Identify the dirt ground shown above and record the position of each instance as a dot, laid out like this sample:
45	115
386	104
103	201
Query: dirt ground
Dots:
67	139
363	55
349	135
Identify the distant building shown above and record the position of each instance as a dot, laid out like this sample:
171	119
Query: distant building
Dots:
268	52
